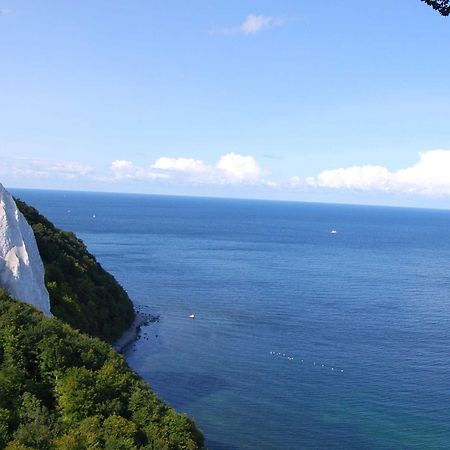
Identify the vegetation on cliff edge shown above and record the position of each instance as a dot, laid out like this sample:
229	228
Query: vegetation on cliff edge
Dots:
61	389
81	292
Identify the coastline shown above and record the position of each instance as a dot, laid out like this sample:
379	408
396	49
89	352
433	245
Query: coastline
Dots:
132	334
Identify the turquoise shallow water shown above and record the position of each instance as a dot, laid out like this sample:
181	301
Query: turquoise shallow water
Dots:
302	339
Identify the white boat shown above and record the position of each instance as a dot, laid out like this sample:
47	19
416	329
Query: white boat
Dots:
333	231
192	316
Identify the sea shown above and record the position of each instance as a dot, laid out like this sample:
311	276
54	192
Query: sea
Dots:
302	338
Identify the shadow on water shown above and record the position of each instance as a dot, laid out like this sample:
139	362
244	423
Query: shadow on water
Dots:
185	388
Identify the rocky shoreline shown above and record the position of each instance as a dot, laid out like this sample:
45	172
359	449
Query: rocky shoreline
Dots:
132	334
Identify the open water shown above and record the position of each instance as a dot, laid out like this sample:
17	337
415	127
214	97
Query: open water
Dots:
302	338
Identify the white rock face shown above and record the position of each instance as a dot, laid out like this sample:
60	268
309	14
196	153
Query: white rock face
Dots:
21	267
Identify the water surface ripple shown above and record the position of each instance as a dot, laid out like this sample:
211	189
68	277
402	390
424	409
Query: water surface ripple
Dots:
302	338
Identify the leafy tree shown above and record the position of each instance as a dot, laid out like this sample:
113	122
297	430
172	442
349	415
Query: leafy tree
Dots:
4	426
119	433
37	425
81	292
86	435
61	389
442	6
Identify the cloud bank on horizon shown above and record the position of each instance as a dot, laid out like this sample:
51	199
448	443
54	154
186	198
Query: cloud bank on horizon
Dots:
24	167
231	168
429	177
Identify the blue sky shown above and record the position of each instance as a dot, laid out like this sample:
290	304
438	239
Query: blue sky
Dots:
337	100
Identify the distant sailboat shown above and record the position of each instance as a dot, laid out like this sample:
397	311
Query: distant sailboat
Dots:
333	231
192	316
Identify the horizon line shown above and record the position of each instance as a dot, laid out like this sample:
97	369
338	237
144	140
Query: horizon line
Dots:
218	197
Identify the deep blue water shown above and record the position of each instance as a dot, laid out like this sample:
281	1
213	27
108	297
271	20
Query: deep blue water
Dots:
302	339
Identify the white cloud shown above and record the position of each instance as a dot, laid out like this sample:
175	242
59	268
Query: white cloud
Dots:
253	24
231	168
430	176
122	169
271	184
41	168
69	167
237	169
356	177
179	164
295	181
121	164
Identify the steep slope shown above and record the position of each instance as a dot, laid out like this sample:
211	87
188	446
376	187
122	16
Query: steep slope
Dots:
60	389
81	292
21	268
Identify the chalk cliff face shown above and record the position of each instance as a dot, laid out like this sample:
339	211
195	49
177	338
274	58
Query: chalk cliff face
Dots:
21	267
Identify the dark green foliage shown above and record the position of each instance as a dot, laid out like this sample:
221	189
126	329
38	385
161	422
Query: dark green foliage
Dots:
81	292
442	6
61	389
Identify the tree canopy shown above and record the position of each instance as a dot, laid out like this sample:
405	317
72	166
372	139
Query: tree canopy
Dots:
442	6
61	389
81	292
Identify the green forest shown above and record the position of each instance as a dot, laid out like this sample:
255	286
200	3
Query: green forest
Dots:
61	389
81	292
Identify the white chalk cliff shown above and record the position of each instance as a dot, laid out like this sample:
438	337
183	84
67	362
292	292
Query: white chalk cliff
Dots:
21	267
